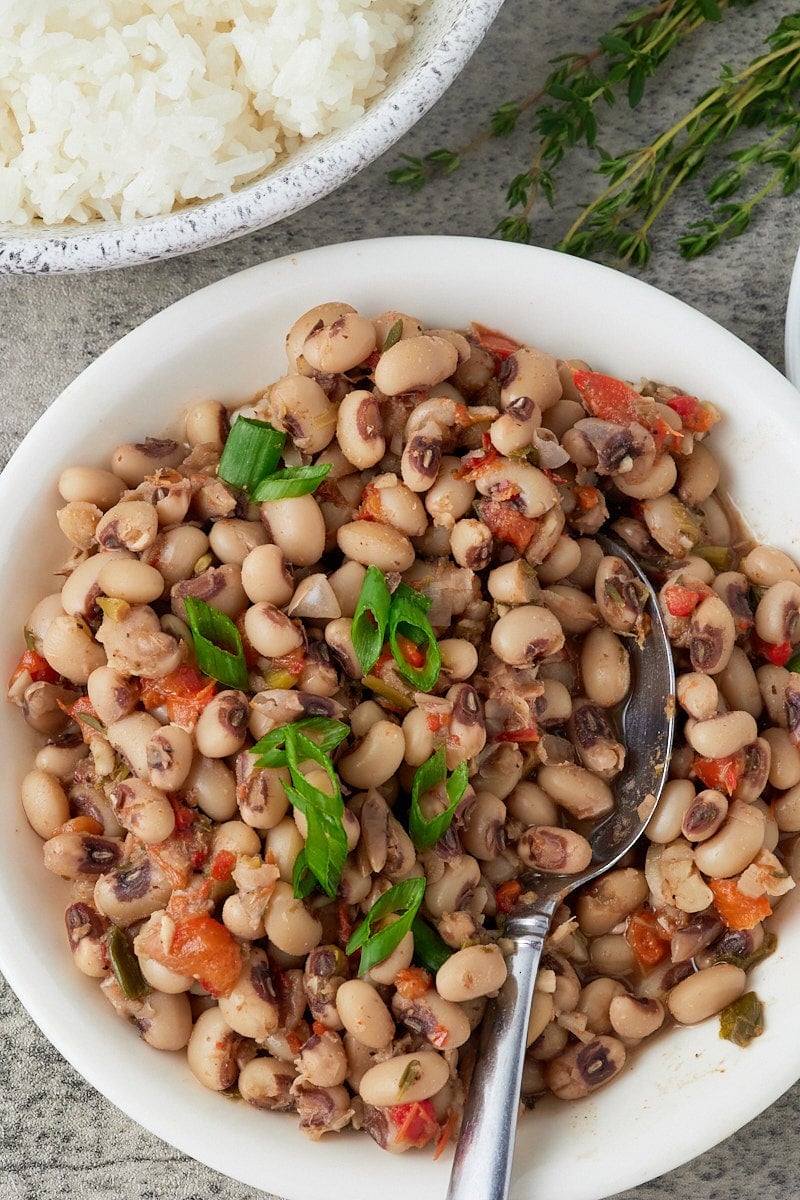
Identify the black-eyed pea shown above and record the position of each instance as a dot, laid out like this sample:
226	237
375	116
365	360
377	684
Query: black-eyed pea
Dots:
418	738
563	559
578	791
666	822
453	890
71	650
90	485
374	544
449	497
584	1068
711	636
620	595
221	728
605	667
72	854
266	1082
270	632
385	971
251	1007
471	544
44	802
129	525
697	695
60	759
698	475
738	684
721	735
374	759
595	1000
404	1079
542	1013
359	429
482	834
130	735
211	787
135	643
41	707
577	612
265	577
142	809
297	526
338	345
322	1060
471	972
735	844
777	617
704	816
347	582
169	755
501	770
78	522
651	483
134	461
607	901
633	1017
299	406
525	635
85	930
283	842
772	683
321	316
415	363
533	373
550	1043
241	920
444	1024
459	658
364	1014
207	424
536	493
289	925
785	759
766	565
215	1052
706	992
165	1020
132	892
610	954
176	552
786	810
593	736
162	978
554	850
515	429
132	580
530	805
232	539
513	583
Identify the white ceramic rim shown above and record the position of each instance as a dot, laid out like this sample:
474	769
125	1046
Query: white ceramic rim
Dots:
682	1093
792	336
313	172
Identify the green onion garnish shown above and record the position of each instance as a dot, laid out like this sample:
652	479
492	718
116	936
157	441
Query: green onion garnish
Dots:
407	619
217	643
371	619
425	834
252	451
430	950
291	482
125	964
394	335
326	841
403	899
793	663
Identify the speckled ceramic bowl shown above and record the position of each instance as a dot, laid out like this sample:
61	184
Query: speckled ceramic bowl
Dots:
448	32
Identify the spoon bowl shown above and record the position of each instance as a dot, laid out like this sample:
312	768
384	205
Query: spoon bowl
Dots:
483	1157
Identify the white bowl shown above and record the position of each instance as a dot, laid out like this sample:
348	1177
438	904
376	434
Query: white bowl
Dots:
446	35
682	1092
792	338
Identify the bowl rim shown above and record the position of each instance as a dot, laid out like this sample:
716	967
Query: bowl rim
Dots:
319	167
204	317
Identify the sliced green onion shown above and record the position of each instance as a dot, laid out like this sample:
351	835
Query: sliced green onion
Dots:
719	557
793	663
326	839
371	619
125	964
743	1020
252	451
425	834
217	643
403	899
430	950
291	482
325	732
407	618
303	879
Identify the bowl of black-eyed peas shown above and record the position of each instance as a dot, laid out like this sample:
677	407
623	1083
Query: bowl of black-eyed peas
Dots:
316	653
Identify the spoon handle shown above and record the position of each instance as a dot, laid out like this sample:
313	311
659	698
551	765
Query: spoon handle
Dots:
482	1163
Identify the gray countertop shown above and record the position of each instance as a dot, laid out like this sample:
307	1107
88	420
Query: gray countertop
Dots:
58	1137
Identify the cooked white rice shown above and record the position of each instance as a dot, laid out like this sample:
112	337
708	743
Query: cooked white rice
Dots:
129	108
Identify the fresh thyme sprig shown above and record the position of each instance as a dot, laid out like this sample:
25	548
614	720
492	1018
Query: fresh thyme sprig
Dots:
566	110
643	181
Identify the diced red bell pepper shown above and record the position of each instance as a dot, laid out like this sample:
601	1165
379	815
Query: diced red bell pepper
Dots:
722	774
222	865
185	693
206	950
681	601
696	415
646	937
737	910
507	523
499	344
608	398
415	1123
412	982
778	653
507	894
411	652
36	666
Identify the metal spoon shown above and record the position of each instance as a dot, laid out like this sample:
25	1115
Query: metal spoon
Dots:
483	1157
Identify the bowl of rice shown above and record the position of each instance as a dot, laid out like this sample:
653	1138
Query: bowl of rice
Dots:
136	130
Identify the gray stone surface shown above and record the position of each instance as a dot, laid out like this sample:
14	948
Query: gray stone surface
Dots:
58	1137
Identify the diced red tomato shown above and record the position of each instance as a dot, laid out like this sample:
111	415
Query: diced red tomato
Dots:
370	508
697	416
681	601
415	1123
412	982
608	398
473	466
79	710
529	734
35	665
185	693
206	950
778	653
648	940
507	894
436	721
737	910
411	652
722	774
587	497
222	865
499	344
507	523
